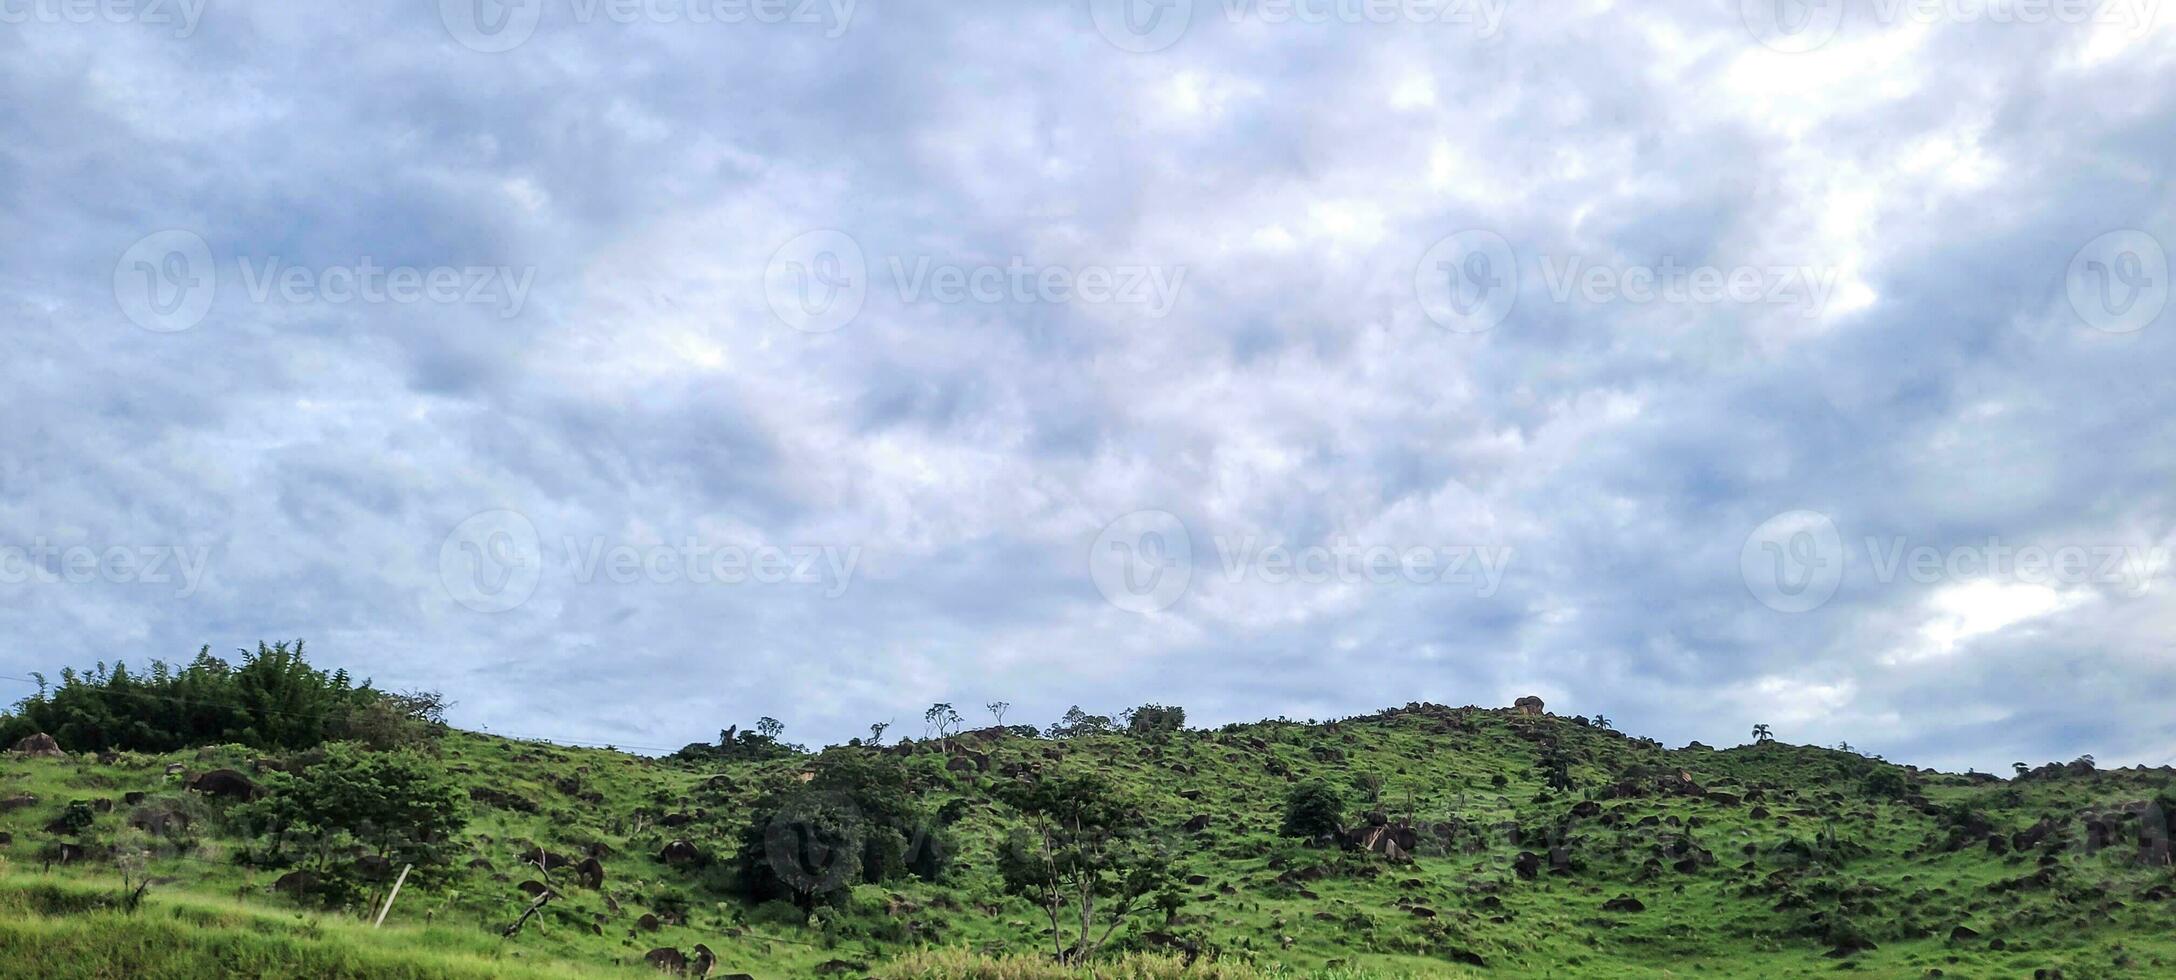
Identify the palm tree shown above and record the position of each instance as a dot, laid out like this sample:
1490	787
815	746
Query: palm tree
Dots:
1761	734
1601	721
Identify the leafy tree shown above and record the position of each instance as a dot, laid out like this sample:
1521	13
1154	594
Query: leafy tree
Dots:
1887	784
942	720
1370	784
396	806
857	820
412	719
1313	809
997	710
1155	719
1077	723
1086	854
272	699
876	732
735	745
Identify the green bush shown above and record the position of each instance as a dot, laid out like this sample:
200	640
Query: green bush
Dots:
1313	809
273	699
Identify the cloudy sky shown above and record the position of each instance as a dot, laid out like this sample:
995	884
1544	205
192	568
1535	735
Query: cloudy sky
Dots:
628	370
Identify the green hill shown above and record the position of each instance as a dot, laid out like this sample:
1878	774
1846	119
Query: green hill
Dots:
1467	841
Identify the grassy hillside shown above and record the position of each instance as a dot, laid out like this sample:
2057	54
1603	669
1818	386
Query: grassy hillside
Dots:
1518	845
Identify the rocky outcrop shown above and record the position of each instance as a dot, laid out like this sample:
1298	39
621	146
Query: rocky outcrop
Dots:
39	746
227	783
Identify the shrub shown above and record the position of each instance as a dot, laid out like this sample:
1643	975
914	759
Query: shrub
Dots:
1313	809
396	806
273	699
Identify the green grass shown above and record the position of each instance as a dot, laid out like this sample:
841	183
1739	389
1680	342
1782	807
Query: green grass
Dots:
1257	912
79	927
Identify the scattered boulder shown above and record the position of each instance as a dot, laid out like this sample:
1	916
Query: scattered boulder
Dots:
1528	705
1624	903
297	884
165	818
1527	865
667	959
225	783
39	746
590	873
501	799
17	802
680	852
1198	823
1395	842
